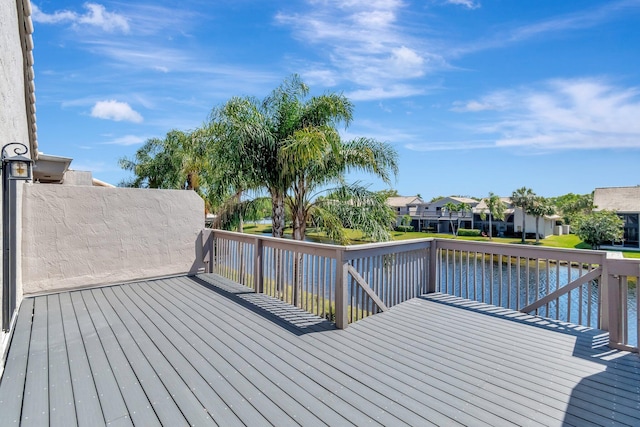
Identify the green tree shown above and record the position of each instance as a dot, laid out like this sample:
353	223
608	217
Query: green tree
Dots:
162	163
495	209
406	219
353	207
570	205
522	198
450	208
599	227
462	209
288	144
540	207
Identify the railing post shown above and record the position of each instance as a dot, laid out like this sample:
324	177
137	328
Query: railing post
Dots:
207	250
433	267
611	320
258	277
342	320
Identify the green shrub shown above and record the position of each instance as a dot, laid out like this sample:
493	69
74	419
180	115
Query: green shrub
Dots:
467	232
404	228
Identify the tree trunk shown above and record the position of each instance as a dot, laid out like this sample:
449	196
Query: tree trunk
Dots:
537	234
277	214
523	225
490	228
299	225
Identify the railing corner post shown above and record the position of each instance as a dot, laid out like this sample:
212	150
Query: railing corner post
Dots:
611	305
433	267
341	320
258	276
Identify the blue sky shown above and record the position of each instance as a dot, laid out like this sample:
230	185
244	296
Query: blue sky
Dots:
475	95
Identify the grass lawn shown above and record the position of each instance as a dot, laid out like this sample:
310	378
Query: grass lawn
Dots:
568	241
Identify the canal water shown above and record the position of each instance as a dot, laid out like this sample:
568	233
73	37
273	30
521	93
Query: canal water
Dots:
515	287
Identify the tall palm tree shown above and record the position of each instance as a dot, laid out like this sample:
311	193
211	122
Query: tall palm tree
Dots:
176	161
289	144
495	209
522	198
451	207
462	210
327	168
540	207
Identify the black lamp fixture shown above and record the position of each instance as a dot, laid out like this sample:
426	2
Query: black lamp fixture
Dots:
18	166
15	167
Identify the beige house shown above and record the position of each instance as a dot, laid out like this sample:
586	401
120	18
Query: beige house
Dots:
405	205
625	201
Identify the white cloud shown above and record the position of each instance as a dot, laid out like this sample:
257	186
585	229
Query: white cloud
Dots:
95	16
128	140
387	92
362	42
564	114
584	19
114	110
451	145
470	4
53	18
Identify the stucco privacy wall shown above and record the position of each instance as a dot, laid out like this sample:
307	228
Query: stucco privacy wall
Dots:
82	236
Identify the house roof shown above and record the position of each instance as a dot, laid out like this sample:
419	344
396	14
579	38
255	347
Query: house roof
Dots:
26	40
401	201
466	200
619	199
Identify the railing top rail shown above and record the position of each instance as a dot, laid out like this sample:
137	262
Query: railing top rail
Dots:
623	266
578	255
628	267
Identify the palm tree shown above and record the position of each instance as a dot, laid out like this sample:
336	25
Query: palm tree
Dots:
540	207
177	161
328	168
462	210
495	209
451	207
522	198
289	145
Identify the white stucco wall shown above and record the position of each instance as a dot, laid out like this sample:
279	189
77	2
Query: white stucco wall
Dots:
82	236
14	124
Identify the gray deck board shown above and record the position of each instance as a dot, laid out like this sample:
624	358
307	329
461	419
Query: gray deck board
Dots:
15	370
36	389
178	396
163	405
208	351
341	379
250	385
169	346
305	406
84	387
61	400
112	403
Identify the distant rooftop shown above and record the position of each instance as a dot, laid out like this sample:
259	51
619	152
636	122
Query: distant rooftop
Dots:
619	199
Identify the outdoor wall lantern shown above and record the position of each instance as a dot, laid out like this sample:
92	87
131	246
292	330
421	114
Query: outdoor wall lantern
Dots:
15	167
18	166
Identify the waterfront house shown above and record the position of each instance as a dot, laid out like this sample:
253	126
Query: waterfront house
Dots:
625	201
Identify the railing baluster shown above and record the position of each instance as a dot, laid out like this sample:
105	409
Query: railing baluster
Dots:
569	293
546	306
624	291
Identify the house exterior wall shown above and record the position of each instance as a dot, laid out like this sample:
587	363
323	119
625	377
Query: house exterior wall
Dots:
545	225
14	122
84	236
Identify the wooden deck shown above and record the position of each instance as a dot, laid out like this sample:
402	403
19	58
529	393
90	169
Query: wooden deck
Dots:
205	351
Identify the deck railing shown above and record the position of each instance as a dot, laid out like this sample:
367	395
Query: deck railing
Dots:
347	283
